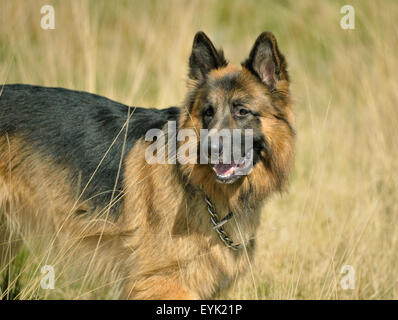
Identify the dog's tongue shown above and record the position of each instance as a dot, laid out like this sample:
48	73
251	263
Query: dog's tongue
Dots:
224	169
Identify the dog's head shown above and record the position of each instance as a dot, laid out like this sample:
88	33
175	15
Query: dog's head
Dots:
251	102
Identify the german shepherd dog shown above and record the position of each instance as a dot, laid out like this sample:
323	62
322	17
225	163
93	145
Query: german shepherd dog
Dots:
75	164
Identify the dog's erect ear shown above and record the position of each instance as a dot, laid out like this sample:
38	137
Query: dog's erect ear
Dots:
204	57
265	60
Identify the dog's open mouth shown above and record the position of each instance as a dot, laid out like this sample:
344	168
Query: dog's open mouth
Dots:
228	173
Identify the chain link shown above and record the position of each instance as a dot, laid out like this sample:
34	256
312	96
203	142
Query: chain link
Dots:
217	225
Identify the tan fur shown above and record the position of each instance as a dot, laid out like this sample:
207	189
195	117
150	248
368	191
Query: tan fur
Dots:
178	243
38	203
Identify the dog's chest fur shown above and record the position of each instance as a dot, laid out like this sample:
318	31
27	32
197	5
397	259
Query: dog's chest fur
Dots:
177	237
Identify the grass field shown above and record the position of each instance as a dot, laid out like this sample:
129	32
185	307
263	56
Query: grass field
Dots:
341	207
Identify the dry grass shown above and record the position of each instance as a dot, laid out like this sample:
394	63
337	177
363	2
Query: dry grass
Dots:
341	207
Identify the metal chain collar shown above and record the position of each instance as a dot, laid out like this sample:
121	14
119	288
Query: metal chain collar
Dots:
217	225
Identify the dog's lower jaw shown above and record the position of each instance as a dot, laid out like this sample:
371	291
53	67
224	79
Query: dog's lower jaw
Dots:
226	181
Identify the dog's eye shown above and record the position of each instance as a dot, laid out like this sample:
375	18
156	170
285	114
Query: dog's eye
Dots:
242	112
209	111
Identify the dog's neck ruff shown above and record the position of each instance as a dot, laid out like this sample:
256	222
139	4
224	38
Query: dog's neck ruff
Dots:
217	225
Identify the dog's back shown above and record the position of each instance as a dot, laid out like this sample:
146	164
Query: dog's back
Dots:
81	132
